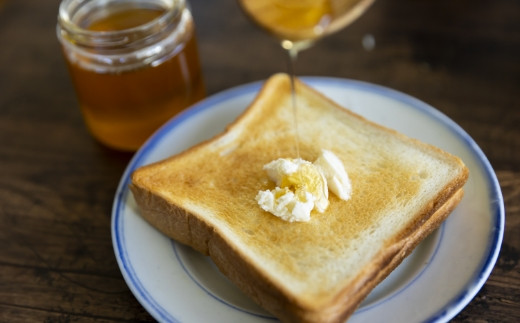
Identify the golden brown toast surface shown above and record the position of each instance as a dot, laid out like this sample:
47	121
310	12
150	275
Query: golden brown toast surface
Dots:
209	190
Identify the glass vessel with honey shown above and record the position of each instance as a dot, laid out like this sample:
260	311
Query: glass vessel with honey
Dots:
298	24
134	64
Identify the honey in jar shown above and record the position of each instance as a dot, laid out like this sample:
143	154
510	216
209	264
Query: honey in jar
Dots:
134	64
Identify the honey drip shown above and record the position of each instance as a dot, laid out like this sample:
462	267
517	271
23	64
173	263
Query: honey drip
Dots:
298	24
293	55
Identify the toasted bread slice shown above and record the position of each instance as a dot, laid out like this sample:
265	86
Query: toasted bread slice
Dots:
316	271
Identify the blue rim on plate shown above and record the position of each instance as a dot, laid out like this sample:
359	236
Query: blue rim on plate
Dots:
453	305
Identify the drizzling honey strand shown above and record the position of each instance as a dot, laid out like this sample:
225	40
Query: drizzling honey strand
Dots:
292	52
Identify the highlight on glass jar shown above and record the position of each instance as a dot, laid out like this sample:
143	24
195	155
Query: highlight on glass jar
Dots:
134	64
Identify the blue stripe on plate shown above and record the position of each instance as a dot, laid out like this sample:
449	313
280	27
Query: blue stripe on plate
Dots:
453	306
142	295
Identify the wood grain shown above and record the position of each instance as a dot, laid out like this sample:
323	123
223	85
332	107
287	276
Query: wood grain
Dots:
57	184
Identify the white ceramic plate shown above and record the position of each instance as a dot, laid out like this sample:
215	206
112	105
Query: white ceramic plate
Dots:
176	284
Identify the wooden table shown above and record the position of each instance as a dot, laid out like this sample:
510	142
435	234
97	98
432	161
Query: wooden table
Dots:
57	184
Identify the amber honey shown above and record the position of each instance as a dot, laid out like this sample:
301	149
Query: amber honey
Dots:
125	101
292	20
303	20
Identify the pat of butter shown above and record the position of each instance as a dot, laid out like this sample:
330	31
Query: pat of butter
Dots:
303	186
337	178
283	203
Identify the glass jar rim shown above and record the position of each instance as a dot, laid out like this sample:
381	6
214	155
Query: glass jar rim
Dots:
81	36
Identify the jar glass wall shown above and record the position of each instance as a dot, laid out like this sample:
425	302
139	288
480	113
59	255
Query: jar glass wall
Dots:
134	65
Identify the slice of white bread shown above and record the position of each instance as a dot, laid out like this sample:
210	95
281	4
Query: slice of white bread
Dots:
316	271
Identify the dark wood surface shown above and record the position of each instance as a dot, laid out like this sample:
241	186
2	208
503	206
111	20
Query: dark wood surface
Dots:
57	184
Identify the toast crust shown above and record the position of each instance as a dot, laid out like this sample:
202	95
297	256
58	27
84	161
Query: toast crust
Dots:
177	224
204	198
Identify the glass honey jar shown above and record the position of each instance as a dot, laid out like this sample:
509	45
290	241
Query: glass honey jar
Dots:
134	64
